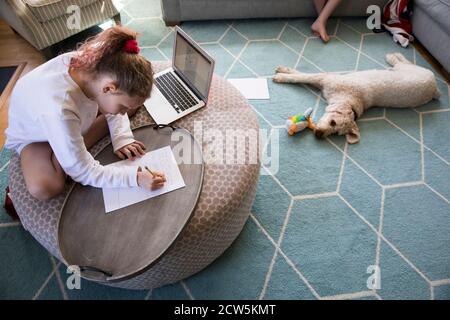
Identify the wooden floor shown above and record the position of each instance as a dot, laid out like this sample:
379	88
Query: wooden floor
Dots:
14	51
17	51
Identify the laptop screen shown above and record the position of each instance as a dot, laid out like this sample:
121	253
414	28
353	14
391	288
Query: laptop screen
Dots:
194	66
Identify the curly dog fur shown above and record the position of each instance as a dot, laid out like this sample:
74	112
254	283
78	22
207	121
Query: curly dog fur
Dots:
405	85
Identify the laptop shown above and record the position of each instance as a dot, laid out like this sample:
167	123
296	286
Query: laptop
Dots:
184	87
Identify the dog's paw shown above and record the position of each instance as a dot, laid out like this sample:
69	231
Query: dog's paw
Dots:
277	78
394	58
281	69
391	59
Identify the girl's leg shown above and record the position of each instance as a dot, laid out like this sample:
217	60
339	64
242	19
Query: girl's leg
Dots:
97	131
319	27
42	172
43	175
319	4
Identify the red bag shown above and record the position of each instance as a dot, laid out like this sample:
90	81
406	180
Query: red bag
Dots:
397	20
9	207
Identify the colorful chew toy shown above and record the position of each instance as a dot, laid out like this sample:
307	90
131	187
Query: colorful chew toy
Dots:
299	122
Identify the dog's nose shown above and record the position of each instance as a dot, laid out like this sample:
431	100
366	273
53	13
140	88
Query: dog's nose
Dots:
319	133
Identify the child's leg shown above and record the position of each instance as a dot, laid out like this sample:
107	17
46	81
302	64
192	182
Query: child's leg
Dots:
319	4
42	172
319	27
43	175
99	129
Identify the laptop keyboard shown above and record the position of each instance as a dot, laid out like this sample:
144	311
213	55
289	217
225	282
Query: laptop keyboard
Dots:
175	92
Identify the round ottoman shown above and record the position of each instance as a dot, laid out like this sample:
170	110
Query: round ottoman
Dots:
222	209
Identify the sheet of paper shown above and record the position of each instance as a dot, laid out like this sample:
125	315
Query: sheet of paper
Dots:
161	160
252	88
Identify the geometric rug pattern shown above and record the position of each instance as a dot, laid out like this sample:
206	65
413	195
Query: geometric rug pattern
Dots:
329	213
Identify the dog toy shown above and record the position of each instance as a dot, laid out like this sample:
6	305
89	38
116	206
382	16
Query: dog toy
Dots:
299	122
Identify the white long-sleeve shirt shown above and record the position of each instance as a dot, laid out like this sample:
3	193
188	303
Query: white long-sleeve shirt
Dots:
47	105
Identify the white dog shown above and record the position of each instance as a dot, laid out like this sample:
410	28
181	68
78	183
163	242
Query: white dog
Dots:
348	95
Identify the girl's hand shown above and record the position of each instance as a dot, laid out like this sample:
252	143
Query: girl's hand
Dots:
147	181
131	151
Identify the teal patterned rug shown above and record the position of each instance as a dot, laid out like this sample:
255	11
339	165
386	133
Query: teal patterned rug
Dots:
331	214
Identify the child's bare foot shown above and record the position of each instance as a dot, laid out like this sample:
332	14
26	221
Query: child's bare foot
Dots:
319	29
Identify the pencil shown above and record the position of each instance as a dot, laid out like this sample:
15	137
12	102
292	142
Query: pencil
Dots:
153	175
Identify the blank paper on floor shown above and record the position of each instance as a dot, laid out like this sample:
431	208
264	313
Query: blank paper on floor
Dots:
252	88
161	160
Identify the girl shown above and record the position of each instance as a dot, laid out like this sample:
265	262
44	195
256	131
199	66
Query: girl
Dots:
53	115
324	9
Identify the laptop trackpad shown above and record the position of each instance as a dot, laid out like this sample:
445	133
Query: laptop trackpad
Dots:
159	108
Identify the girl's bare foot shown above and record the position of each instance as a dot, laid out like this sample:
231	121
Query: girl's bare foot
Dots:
319	29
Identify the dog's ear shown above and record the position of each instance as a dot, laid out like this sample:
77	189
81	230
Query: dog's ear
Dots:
353	135
334	107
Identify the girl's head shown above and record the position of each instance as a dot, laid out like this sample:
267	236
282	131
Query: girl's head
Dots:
123	78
